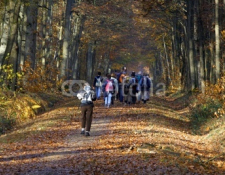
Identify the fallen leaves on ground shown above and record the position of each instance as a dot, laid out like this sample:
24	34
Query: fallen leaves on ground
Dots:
152	138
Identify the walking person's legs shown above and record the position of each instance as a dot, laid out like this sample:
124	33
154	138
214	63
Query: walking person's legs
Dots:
113	99
121	93
83	119
109	99
148	95
145	96
98	92
106	99
142	95
138	96
134	99
89	113
133	96
129	98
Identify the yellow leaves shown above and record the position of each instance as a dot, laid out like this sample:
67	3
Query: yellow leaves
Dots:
8	74
207	129
35	106
115	36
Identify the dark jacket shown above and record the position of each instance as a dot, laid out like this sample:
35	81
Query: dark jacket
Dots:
147	86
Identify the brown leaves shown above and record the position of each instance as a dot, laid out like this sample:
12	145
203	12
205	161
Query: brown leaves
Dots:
120	143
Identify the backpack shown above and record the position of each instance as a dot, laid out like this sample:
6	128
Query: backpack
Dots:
118	77
134	80
138	77
145	83
134	83
126	85
86	97
109	86
98	82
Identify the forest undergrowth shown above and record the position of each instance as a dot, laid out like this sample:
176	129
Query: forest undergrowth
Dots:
153	138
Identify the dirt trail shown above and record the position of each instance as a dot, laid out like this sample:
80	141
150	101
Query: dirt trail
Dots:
140	139
73	142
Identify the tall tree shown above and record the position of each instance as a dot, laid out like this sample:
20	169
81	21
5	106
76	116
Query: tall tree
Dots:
4	27
217	41
66	40
31	32
14	8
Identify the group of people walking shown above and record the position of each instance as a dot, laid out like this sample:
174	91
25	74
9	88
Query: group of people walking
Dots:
127	89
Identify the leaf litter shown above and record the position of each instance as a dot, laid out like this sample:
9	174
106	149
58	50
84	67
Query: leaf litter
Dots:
154	138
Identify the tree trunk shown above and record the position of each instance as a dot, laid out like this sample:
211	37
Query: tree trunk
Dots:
22	33
158	69
10	55
185	70
168	78
42	43
90	62
15	65
78	28
21	39
66	41
5	29
14	8
196	55
217	41
190	27
49	33
202	67
223	42
31	33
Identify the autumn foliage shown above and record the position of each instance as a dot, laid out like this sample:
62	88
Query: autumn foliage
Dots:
208	107
179	43
41	79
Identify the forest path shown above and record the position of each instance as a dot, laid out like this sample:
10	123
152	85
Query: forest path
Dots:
152	138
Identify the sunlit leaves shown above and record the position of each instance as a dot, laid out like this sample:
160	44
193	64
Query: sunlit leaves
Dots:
53	143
